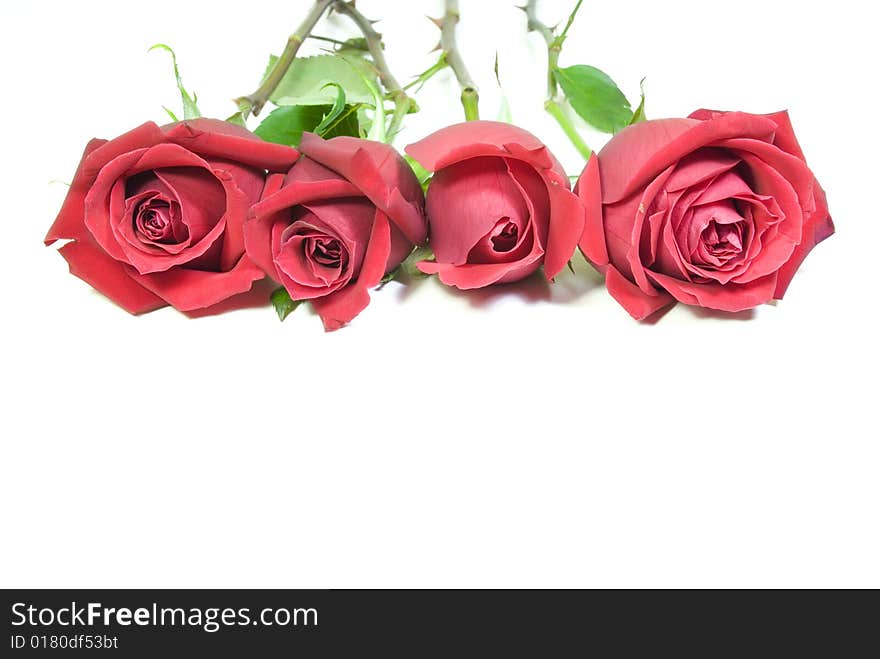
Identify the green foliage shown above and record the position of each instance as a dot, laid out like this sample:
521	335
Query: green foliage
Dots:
335	111
639	114
190	106
306	80
286	125
407	271
283	303
595	97
422	174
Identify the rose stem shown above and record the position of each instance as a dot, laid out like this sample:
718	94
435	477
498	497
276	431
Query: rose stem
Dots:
470	98
253	103
402	102
553	104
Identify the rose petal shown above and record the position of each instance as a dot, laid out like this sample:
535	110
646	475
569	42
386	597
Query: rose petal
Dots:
380	173
188	290
211	138
258	227
473	139
638	153
340	308
637	302
465	201
109	277
69	223
737	297
589	190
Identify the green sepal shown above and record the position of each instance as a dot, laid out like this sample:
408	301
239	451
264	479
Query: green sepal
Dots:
283	303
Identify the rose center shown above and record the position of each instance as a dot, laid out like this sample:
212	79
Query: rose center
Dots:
158	221
505	235
723	241
326	251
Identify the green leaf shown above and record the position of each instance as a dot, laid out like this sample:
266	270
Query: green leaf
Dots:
287	124
595	97
337	109
377	125
421	173
306	80
407	271
345	124
639	114
190	107
283	303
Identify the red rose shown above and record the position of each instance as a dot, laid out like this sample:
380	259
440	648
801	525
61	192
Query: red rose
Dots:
499	205
717	210
347	213
155	216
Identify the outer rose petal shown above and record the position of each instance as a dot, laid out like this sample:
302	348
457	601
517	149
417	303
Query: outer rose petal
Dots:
589	190
142	137
189	290
109	277
716	296
567	217
258	228
212	138
69	223
638	153
380	173
339	308
472	139
785	138
818	226
480	275
638	304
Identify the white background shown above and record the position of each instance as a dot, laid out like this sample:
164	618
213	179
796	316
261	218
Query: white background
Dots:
524	436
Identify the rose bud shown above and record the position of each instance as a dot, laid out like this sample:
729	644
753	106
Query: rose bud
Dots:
499	205
717	210
347	213
155	216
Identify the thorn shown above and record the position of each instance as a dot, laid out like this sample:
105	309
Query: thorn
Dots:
436	48
436	21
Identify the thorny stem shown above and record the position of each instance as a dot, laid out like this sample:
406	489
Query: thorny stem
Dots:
426	75
470	98
402	102
555	105
253	103
553	48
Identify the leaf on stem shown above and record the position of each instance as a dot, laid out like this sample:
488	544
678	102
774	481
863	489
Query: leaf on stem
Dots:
305	81
335	111
595	97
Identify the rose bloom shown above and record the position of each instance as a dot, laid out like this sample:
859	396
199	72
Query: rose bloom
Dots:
347	213
155	216
717	210
499	205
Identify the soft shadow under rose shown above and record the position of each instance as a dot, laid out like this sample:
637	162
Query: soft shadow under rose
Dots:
347	213
155	216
